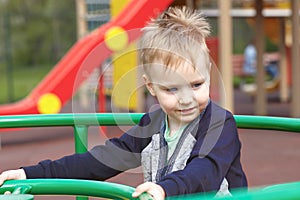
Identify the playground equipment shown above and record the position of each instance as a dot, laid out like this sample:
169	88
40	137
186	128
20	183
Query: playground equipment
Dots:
58	87
272	71
270	86
25	189
67	187
277	27
287	191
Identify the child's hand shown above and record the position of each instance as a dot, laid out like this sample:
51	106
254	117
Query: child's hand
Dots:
17	174
156	191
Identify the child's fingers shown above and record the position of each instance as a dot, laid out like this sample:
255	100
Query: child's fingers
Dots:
144	187
3	177
151	188
12	175
7	192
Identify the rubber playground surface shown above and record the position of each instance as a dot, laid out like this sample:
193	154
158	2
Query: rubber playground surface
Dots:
268	157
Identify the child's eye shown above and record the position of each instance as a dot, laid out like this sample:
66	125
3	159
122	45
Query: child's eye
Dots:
171	89
197	85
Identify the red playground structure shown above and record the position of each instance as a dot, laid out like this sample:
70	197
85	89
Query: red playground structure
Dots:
58	87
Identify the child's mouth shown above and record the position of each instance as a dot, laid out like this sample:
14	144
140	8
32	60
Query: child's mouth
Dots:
187	110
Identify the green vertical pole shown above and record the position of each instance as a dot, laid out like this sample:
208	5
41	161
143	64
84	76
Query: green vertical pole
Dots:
81	139
81	143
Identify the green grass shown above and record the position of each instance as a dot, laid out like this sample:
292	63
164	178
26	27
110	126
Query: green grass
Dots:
24	79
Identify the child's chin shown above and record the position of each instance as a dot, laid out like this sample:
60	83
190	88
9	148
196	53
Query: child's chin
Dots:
188	119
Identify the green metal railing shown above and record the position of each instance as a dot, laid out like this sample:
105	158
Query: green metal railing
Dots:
68	187
81	123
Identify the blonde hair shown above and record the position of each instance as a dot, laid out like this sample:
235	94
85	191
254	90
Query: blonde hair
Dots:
176	36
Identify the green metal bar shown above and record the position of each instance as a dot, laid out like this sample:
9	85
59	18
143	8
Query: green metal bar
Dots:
71	187
81	143
23	189
268	123
69	119
17	197
285	191
81	138
113	119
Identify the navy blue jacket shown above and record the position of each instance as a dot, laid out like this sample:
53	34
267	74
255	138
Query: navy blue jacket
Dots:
215	156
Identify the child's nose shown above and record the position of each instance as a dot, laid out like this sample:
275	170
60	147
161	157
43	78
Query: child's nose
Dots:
184	101
186	98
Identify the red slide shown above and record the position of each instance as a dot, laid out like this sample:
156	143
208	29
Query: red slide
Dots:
58	87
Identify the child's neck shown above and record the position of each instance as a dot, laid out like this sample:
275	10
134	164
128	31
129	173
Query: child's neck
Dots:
175	127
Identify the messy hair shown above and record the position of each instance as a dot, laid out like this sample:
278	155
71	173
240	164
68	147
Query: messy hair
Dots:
176	36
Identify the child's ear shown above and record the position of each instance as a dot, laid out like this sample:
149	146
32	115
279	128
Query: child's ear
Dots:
148	84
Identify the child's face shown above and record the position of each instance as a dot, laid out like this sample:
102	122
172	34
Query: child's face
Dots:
182	93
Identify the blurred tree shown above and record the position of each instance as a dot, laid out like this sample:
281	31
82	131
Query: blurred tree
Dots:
42	30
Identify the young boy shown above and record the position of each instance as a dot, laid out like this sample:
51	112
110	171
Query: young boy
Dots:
189	145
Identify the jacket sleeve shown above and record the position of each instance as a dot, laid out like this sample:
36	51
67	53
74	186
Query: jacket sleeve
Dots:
216	150
77	166
100	163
